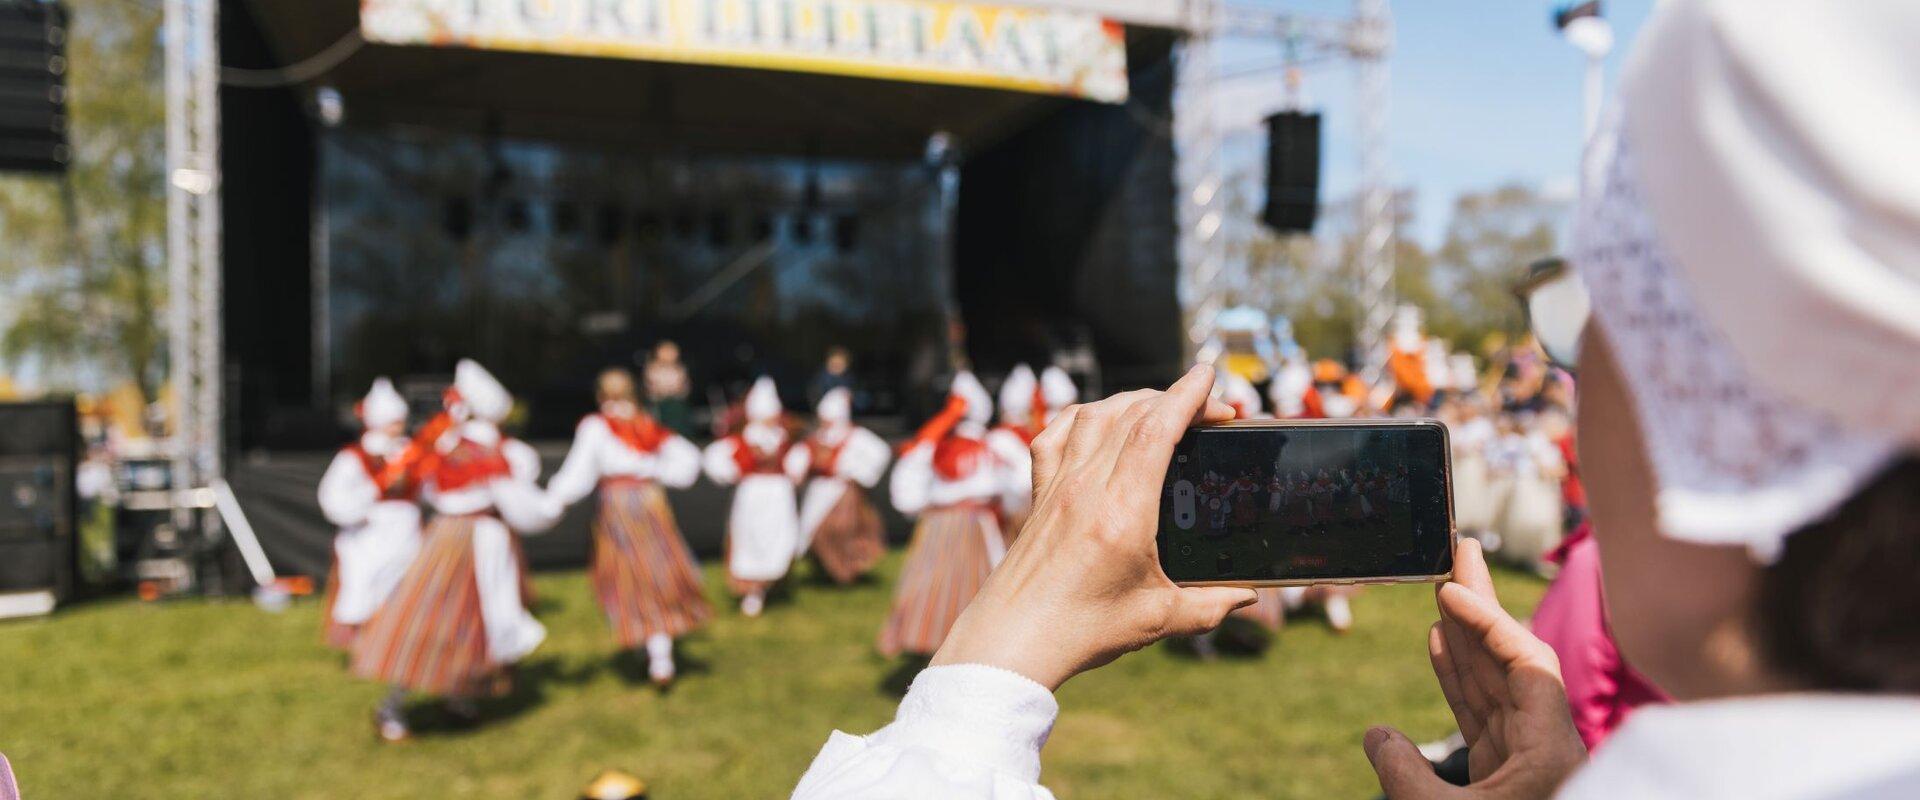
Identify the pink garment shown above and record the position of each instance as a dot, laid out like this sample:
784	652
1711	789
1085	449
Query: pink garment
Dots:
8	789
1572	618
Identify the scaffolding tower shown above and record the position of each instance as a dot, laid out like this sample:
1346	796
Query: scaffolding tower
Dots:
1207	269
193	254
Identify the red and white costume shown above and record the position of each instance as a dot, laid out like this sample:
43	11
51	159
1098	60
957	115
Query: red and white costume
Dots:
763	528
379	528
1057	392
642	572
837	520
1293	393
1022	410
952	481
459	615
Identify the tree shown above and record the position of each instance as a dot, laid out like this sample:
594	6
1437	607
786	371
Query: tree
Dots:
1491	239
84	259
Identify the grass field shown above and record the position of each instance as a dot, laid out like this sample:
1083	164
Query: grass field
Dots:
216	699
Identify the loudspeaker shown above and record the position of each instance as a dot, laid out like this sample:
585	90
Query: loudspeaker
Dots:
39	446
33	86
1293	171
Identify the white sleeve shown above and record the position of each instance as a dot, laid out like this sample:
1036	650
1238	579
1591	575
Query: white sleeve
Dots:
799	458
347	493
521	503
522	460
580	473
1016	468
677	463
912	480
963	730
864	458
717	461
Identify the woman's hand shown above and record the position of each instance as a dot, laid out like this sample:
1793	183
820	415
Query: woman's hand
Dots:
1504	687
1083	584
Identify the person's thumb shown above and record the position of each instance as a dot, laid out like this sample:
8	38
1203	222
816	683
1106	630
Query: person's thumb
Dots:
1199	609
1404	773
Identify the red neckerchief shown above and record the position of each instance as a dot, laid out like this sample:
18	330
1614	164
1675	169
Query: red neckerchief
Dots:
753	461
467	464
376	467
639	431
825	457
1025	432
957	457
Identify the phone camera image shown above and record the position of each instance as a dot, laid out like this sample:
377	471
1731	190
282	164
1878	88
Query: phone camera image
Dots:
1304	502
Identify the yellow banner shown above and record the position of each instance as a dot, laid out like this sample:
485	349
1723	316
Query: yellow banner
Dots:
931	41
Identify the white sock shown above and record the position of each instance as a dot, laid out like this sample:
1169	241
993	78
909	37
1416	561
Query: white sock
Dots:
1293	596
1339	614
751	604
660	656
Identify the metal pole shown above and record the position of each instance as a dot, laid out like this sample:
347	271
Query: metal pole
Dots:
1372	41
193	250
1198	178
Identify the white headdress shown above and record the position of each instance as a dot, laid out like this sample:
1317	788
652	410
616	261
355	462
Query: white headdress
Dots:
835	406
382	406
1016	393
1749	248
480	392
979	403
763	400
1056	387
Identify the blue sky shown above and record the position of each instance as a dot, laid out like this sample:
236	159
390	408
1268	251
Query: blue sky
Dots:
1484	93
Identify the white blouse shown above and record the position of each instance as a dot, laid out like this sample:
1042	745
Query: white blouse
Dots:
962	731
597	454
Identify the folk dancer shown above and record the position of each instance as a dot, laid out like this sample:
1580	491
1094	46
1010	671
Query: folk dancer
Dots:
458	619
838	522
951	481
643	574
763	527
379	527
1022	409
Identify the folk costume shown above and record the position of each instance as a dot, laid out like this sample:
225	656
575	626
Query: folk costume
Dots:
458	618
951	480
1022	417
643	574
379	526
763	527
838	522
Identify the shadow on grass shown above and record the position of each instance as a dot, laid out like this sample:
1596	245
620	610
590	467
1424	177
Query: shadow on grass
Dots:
1235	638
631	666
897	680
429	716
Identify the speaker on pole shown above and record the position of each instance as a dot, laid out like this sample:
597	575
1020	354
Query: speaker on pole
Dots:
1293	171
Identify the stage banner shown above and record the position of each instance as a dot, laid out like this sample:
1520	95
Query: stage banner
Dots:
1070	53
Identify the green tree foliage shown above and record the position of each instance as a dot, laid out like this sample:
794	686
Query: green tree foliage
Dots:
84	256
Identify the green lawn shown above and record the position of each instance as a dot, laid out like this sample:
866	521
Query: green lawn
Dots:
203	699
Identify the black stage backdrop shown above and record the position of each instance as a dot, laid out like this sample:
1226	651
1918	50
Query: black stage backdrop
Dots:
276	492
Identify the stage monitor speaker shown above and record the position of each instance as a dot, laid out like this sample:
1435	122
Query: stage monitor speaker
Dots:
39	446
1293	171
33	86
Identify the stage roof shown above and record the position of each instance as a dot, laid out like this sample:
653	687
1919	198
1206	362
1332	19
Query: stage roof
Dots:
654	105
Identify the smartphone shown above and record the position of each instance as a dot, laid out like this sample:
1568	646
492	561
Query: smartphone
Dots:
1300	502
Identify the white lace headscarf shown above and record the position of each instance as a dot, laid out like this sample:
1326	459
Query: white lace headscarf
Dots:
1751	241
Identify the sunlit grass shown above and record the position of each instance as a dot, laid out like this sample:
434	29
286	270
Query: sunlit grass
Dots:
202	699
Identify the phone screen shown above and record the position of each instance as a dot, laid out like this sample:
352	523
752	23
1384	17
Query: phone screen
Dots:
1307	502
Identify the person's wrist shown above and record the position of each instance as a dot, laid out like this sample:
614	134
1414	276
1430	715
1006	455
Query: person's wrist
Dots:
1006	642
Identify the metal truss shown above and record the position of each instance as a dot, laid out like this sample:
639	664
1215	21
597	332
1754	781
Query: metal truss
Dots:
193	250
1207	270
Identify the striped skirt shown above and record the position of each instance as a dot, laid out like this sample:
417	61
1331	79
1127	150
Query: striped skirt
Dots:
429	636
850	540
945	567
642	573
338	635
